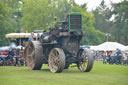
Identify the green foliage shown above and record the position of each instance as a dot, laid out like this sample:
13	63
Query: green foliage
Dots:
14	13
5	25
36	14
93	37
9	19
100	21
121	21
102	15
118	27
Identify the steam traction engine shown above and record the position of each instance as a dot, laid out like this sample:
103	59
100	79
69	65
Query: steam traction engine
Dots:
60	47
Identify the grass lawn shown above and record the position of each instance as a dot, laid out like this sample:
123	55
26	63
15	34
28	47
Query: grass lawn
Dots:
100	75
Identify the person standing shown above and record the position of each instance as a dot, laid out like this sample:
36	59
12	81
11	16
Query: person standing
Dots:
104	55
10	54
119	56
31	38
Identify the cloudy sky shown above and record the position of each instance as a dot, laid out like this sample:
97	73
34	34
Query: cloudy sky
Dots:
91	4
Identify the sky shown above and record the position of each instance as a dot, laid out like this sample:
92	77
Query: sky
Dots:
92	4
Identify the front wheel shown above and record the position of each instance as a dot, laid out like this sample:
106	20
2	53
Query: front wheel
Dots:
56	60
86	60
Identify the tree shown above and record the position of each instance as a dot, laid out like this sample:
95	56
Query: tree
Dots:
15	13
5	25
37	14
121	21
102	18
9	18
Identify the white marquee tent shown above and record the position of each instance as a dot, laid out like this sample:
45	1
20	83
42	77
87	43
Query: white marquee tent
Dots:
109	46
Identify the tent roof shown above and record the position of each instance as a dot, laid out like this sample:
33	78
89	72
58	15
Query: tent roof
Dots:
109	46
127	48
19	35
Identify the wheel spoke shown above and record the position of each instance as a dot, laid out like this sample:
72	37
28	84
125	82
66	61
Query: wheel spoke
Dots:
32	54
82	65
53	56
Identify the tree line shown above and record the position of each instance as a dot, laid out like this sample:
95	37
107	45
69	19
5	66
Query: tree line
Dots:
39	15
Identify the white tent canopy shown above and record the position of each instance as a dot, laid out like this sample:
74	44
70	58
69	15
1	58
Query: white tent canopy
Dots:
109	46
19	35
127	48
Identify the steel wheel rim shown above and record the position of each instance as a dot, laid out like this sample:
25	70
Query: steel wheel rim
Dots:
30	56
83	64
54	60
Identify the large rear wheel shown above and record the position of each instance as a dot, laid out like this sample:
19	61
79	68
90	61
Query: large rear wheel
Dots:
85	60
34	55
56	60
